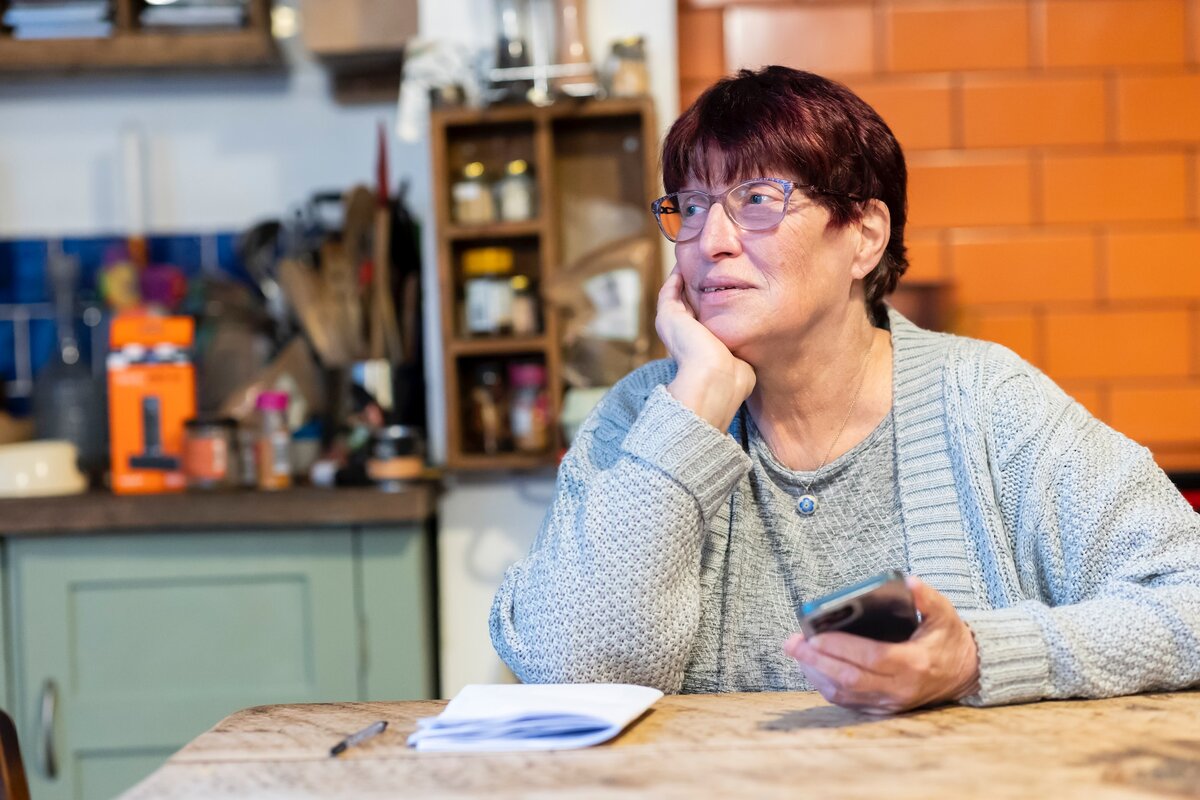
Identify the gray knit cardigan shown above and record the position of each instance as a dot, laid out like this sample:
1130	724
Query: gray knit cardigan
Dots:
1064	547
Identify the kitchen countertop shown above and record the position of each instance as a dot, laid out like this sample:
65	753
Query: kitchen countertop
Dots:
103	512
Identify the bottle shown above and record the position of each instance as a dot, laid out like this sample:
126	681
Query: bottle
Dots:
530	408
273	447
572	50
473	197
515	192
524	306
629	75
487	290
487	409
512	45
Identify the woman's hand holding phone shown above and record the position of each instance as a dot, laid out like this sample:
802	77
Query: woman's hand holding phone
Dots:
938	664
711	381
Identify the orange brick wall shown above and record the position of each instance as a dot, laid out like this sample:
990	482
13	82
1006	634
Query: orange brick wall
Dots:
1054	172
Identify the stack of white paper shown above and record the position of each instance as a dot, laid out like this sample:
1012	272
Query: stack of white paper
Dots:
557	716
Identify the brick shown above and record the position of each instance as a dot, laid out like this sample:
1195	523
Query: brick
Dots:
1117	344
690	90
917	110
959	36
1100	33
701	44
1196	341
1158	108
1158	415
1024	269
950	190
1090	396
1183	457
1015	330
926	257
1154	265
823	39
1031	112
1115	188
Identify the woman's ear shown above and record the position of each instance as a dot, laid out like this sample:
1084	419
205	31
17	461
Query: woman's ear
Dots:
875	230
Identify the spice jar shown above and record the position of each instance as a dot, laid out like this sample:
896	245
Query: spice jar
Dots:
515	192
524	306
472	196
488	293
210	453
629	75
273	447
530	408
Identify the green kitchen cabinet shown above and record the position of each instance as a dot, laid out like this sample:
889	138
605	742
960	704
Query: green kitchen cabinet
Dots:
121	648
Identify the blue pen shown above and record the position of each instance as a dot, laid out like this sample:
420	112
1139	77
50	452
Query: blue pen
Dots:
374	729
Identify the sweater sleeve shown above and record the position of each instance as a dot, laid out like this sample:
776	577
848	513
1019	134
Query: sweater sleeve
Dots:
1107	553
610	589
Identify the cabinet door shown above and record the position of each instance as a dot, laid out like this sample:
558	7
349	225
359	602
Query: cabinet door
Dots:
150	640
399	653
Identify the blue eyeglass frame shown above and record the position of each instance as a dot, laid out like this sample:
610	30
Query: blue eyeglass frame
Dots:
657	209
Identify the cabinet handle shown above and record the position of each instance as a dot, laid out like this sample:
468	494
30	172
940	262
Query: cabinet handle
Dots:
45	738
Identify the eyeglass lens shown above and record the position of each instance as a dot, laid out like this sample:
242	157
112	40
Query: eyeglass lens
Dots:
755	205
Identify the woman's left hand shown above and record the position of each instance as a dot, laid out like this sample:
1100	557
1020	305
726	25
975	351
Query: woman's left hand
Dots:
938	664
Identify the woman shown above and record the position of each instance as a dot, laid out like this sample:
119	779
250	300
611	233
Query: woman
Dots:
803	436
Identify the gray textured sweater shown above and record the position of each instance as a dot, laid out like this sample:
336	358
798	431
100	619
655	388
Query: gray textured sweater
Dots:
1066	550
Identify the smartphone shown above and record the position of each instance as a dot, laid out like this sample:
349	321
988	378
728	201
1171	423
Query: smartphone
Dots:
879	608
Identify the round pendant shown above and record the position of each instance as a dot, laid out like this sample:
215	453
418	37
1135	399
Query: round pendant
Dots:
807	505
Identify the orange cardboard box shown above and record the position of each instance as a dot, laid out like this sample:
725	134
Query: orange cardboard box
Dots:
151	392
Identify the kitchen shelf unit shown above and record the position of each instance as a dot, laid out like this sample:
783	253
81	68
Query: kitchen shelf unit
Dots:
586	155
130	47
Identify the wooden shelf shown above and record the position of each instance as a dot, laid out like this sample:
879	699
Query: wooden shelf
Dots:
499	345
132	48
482	461
243	48
581	155
496	230
563	109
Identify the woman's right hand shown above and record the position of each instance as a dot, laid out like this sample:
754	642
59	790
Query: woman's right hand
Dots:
711	380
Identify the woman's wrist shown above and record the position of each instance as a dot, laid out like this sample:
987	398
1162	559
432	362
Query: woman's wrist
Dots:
712	395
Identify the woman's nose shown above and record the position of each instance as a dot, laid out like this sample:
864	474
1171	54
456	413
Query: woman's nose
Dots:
719	236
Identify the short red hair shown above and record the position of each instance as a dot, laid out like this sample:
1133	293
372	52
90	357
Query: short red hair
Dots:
814	130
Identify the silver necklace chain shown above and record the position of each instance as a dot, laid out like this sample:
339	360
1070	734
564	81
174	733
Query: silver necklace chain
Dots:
807	503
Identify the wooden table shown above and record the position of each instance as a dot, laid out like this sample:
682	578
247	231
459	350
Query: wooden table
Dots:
788	745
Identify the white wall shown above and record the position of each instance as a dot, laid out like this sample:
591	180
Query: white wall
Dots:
226	150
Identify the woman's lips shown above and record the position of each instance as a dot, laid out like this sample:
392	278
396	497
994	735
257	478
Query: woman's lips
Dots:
715	285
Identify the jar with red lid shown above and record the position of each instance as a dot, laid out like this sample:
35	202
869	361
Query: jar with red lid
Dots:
529	407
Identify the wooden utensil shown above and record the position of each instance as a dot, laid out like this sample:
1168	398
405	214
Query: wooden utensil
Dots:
339	290
304	293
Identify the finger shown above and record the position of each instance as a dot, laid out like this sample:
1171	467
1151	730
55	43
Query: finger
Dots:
869	702
845	676
870	655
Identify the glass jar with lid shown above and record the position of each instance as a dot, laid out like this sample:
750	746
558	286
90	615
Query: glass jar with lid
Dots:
516	192
472	196
487	290
210	454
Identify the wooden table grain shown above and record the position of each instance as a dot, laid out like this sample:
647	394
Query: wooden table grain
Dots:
785	745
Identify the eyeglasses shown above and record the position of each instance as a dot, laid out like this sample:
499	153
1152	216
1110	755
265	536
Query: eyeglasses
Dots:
758	204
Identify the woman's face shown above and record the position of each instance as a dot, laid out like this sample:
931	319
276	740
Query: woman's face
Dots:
757	290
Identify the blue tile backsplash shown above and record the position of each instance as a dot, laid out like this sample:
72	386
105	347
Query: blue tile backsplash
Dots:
25	281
